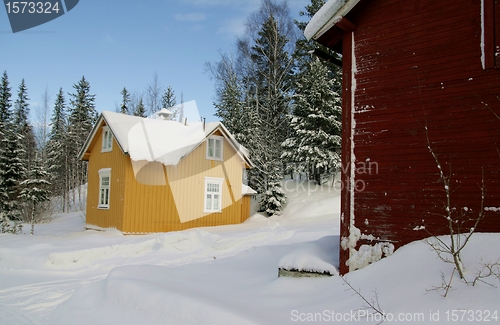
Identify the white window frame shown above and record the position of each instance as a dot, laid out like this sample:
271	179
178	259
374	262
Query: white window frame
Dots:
107	139
212	201
104	189
212	152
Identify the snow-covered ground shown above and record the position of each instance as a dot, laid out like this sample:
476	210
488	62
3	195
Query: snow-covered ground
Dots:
229	275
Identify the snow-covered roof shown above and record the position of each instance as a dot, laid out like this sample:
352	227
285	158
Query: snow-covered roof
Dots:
326	17
247	190
163	141
163	113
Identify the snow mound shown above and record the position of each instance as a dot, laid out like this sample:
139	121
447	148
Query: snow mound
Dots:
171	243
317	257
140	295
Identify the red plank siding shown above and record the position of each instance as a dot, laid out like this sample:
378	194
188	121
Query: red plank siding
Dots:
420	81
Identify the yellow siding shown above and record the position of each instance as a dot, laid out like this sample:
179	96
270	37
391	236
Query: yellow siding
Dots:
155	208
116	160
148	208
245	207
177	194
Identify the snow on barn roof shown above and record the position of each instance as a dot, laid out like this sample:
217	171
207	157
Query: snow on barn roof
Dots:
163	141
247	190
327	16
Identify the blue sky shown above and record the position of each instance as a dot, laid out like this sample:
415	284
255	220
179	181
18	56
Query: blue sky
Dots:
117	44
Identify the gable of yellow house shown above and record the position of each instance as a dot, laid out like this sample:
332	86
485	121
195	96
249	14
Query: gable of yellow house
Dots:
148	175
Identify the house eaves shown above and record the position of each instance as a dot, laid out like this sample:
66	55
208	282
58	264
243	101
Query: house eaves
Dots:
332	13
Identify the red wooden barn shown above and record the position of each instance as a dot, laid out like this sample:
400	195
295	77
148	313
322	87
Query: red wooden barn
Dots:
417	74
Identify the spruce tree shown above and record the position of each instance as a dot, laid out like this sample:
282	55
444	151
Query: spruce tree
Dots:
57	148
303	47
253	96
12	173
35	190
140	110
81	118
168	101
315	138
5	125
272	84
124	109
11	166
230	105
22	125
5	102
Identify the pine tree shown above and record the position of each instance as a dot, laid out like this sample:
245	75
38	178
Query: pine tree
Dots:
35	190
124	109
57	148
315	139
140	110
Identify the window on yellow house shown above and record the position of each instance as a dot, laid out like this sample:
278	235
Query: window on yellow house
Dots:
213	194
215	147
104	187
107	140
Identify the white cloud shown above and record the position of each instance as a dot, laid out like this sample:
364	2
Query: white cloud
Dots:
197	27
192	17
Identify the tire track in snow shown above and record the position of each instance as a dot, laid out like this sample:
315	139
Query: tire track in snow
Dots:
10	315
31	304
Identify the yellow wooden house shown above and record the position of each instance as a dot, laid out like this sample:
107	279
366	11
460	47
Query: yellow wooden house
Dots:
158	175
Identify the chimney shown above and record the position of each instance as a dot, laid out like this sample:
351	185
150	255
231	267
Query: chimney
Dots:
204	123
184	120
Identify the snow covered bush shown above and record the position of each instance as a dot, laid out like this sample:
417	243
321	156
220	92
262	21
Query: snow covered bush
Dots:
273	200
8	226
